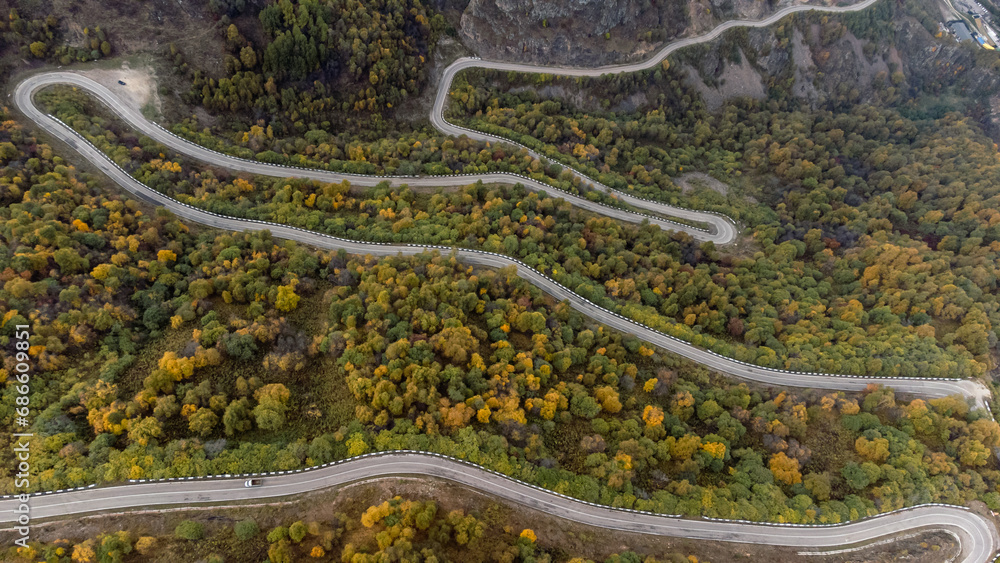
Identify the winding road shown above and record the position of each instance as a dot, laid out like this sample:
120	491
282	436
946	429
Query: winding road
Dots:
722	226
722	230
23	98
977	534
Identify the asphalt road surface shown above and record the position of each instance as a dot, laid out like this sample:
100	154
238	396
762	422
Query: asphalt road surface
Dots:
928	387
977	534
720	225
721	229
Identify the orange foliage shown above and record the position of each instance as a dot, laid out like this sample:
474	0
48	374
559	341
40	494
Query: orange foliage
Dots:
652	415
785	469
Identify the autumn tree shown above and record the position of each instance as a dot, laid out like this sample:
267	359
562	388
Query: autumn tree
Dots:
785	469
272	405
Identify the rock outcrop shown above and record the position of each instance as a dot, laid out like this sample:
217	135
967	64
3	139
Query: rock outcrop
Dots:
569	31
594	32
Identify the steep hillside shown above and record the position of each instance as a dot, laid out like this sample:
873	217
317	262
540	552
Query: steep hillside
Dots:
594	32
890	55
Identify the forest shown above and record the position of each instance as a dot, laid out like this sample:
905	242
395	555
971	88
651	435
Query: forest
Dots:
170	350
198	353
397	529
812	314
873	204
321	59
407	154
855	200
923	207
41	39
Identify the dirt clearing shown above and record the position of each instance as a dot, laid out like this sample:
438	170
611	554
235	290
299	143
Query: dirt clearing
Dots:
139	90
693	180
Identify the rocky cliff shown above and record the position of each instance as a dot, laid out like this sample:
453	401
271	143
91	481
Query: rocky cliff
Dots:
568	31
872	58
593	32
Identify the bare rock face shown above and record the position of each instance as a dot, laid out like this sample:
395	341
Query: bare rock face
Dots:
595	32
559	31
597	16
736	81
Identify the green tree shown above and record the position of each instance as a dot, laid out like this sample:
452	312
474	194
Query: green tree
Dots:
277	534
236	418
272	404
584	406
203	421
240	346
114	547
819	485
297	531
70	261
189	530
246	529
38	49
530	322
855	476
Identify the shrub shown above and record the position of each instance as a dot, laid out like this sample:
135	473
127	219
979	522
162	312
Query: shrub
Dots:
297	531
277	534
246	529
189	530
145	545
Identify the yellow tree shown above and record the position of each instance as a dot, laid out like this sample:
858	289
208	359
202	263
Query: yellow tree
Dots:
876	450
38	49
608	397
287	300
84	552
715	449
652	415
682	405
145	545
785	469
684	447
455	343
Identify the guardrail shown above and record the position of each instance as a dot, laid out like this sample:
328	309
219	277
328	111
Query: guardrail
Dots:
512	261
596	185
467	463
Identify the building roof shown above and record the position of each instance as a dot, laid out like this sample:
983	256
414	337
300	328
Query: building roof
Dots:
961	30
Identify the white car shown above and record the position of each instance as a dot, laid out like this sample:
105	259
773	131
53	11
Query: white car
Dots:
253	483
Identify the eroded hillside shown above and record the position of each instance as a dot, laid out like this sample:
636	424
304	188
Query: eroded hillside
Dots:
594	32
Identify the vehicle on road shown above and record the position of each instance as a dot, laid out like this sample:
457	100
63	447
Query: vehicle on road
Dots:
122	82
253	483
